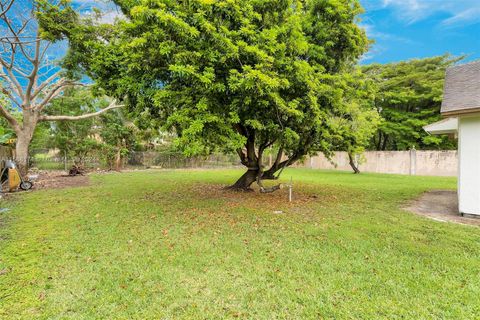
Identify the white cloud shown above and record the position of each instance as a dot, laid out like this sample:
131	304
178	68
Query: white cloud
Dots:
375	51
469	16
460	12
108	10
373	33
110	16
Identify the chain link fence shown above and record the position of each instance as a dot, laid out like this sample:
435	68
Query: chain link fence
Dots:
44	159
177	160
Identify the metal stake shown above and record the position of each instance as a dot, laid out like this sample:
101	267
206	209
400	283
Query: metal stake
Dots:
290	191
65	160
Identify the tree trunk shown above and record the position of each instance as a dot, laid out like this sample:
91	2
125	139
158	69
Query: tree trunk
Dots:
384	145
21	153
245	181
379	141
353	164
24	137
118	160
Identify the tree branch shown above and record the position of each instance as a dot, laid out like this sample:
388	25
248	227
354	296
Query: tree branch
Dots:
243	157
10	78
251	154
270	173
112	105
277	159
4	8
10	119
10	95
55	91
45	83
16	36
32	77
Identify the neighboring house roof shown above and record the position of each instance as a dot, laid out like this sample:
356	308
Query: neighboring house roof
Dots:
445	126
462	89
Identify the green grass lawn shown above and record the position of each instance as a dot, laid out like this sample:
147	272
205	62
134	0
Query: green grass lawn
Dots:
172	245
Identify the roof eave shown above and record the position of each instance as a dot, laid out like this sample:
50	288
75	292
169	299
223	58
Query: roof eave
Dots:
461	112
445	126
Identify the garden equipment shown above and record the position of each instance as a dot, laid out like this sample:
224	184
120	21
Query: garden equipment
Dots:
75	171
10	178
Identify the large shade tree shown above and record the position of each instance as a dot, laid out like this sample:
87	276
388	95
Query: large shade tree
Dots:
108	137
237	75
30	73
409	96
358	121
75	139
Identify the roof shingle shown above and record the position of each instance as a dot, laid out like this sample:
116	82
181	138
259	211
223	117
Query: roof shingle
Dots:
462	89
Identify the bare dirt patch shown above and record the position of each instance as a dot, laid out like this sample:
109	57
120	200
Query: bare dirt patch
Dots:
59	180
255	199
440	205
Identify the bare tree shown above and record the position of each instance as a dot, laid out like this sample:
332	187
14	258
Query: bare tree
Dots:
30	76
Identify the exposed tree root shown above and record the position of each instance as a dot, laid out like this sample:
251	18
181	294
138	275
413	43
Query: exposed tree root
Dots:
261	177
271	189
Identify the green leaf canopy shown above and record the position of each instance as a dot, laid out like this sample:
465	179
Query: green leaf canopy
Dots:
409	95
236	75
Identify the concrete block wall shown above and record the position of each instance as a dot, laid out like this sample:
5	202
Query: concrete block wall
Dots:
413	162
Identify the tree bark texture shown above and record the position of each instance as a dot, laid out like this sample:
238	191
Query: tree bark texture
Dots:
21	153
245	182
251	156
351	159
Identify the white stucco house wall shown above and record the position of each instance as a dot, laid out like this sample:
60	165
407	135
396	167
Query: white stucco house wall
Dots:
461	109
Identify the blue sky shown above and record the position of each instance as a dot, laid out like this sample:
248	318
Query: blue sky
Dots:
407	29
